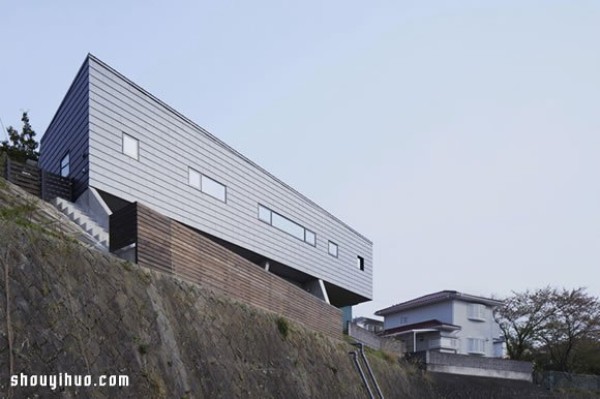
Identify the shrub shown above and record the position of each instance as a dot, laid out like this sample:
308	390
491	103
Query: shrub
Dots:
283	326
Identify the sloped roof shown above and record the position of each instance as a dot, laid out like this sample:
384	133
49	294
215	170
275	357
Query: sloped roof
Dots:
437	297
429	324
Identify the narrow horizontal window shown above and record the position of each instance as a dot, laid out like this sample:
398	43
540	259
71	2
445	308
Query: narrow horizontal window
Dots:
286	225
360	263
65	166
333	249
193	178
213	188
130	146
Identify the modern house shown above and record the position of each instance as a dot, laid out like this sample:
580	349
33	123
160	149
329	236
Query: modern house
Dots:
119	145
447	322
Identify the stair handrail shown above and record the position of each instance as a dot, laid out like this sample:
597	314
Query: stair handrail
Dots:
360	346
362	374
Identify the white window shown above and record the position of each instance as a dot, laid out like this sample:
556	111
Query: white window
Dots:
193	178
207	185
476	346
65	167
130	146
264	214
287	225
333	249
310	237
213	188
476	311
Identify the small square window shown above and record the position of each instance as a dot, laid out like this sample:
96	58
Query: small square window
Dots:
193	178
264	214
65	166
333	249
130	146
214	188
310	237
360	263
476	311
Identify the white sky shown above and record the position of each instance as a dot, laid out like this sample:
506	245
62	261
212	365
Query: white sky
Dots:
462	137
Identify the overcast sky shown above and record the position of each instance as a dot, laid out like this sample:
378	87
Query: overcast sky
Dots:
462	138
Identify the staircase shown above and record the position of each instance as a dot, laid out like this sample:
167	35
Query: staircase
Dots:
368	378
81	218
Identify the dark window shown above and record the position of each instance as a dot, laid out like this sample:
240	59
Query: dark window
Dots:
360	262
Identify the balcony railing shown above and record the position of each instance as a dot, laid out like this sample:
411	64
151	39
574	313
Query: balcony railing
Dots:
444	343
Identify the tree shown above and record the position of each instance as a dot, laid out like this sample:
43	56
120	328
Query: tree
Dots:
552	326
575	319
521	319
21	145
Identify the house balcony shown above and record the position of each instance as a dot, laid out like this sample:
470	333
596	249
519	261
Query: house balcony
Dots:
444	344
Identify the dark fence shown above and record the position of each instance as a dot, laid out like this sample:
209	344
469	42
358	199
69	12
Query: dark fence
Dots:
53	186
35	181
24	175
123	227
171	247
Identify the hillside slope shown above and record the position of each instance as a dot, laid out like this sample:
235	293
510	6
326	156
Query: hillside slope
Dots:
72	309
79	311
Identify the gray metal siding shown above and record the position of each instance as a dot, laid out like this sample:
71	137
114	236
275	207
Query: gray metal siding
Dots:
169	144
68	132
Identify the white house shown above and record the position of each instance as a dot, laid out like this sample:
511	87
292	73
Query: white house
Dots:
446	321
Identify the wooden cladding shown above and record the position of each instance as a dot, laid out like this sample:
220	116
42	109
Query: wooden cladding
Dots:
171	247
35	181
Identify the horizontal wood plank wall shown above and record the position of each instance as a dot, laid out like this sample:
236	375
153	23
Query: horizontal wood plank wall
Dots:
55	186
34	180
24	175
169	246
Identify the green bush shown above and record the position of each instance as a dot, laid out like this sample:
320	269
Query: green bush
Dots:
283	326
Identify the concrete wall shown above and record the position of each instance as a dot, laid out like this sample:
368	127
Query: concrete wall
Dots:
373	341
474	365
170	144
